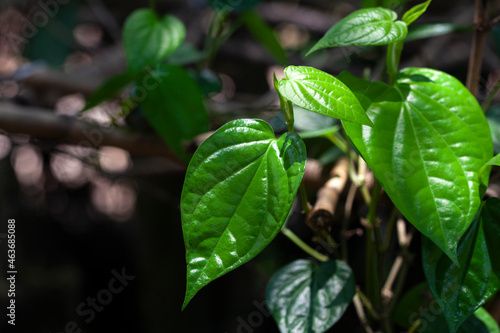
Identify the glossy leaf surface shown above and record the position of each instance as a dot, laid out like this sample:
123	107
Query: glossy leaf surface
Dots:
303	297
173	105
148	39
414	13
239	188
364	27
428	142
461	290
320	92
265	34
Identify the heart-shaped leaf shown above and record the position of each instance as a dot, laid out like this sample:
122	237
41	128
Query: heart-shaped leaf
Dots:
173	105
148	39
428	142
461	290
320	92
239	188
303	297
364	27
414	13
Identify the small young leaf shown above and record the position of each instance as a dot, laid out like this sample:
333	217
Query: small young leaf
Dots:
265	34
109	89
459	291
414	13
239	188
364	27
148	39
305	298
428	142
320	92
173	105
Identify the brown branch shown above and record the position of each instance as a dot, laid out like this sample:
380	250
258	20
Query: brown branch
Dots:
481	28
321	216
43	124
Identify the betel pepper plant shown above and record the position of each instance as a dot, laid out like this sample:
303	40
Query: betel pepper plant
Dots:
427	142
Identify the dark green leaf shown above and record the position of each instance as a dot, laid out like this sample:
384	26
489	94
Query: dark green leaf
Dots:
173	105
364	27
461	290
320	92
434	30
428	142
239	188
148	39
228	6
305	298
414	13
109	89
265	34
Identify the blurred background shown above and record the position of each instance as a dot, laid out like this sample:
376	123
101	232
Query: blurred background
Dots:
95	195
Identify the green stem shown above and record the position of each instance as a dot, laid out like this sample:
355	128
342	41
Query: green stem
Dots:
289	117
390	230
393	57
371	271
491	96
300	243
303	197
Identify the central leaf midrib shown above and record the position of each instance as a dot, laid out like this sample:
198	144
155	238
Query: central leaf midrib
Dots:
320	91
417	93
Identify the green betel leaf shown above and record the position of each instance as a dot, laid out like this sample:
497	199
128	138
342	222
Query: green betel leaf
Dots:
173	105
414	13
460	291
427	144
364	27
148	39
239	188
303	297
320	92
265	34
